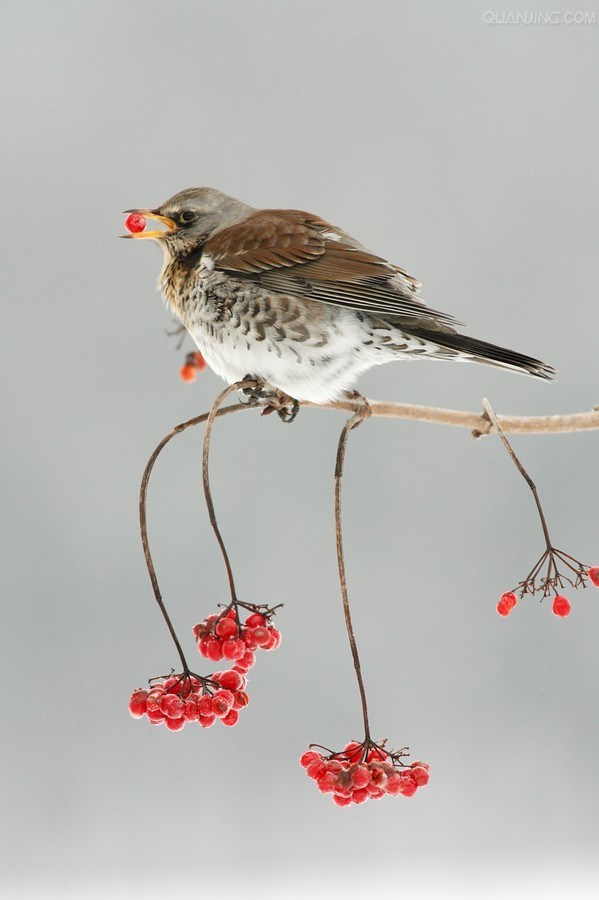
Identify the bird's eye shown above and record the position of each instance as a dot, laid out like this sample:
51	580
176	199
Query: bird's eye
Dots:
188	215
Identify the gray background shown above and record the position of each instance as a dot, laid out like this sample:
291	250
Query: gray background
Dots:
463	151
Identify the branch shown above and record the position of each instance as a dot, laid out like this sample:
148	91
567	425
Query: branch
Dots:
479	424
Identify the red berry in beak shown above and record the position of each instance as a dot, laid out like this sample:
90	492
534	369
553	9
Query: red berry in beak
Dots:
135	223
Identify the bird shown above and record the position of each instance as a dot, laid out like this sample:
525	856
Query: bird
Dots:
285	297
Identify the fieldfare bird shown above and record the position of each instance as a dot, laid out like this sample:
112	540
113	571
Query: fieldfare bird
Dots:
286	298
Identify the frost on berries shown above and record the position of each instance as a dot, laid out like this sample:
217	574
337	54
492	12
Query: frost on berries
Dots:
179	699
224	636
363	772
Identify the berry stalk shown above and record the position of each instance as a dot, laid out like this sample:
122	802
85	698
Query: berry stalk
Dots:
239	385
143	516
360	415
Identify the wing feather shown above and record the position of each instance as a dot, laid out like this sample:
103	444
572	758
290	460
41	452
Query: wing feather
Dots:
295	253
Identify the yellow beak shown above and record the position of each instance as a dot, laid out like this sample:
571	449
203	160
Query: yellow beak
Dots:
150	214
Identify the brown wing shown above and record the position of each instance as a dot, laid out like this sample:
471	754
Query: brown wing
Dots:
295	253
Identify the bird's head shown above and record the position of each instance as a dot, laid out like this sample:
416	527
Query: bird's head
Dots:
190	218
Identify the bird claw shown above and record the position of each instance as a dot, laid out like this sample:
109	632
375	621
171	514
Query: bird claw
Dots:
285	406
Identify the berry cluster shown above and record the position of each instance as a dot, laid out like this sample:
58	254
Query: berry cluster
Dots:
194	363
550	582
225	637
363	772
190	698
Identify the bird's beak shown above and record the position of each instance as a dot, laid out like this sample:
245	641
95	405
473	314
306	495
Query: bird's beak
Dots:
151	214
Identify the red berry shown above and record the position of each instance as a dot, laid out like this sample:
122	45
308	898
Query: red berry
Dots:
393	785
341	801
507	603
205	705
138	703
214	650
594	575
172	706
360	795
135	223
241	699
308	757
226	628
561	606
222	702
174	724
207	721
203	646
154	699
155	716
190	712
187	373
316	768
420	775
255	619
246	661
260	635
231	718
408	786
233	648
353	751
360	777
231	680
274	641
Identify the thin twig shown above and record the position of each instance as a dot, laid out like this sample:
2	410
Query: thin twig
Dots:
491	414
206	480
143	517
359	416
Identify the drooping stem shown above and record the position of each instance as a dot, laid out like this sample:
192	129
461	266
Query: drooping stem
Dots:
206	479
362	413
143	519
491	414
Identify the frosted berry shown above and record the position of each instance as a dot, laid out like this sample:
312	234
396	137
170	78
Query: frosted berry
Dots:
138	703
561	606
135	223
506	603
594	575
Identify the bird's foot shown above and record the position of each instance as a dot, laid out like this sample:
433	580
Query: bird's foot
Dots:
285	406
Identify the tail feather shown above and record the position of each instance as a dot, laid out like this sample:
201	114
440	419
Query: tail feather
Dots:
491	354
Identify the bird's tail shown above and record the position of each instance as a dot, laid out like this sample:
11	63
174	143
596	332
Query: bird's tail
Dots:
491	354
